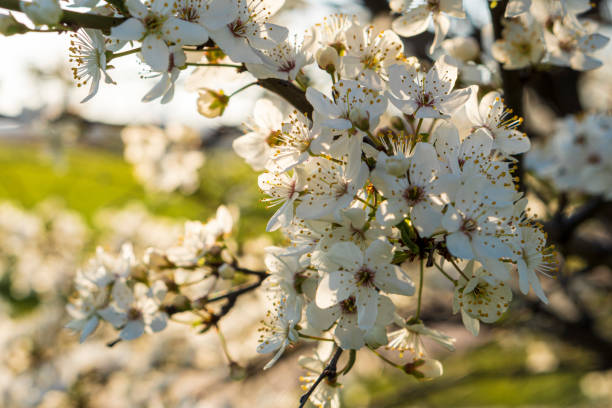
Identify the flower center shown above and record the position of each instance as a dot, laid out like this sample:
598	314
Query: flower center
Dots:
274	138
153	23
348	306
188	13
469	226
414	195
134	314
365	277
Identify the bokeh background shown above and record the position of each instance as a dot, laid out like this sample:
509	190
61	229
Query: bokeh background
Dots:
65	188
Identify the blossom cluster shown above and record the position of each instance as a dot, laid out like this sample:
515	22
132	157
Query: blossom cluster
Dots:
536	32
577	156
39	247
394	166
136	295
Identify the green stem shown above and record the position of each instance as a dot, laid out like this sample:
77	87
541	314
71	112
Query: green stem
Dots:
123	54
445	274
74	19
306	336
223	344
452	261
365	202
198	64
418	311
243	88
385	359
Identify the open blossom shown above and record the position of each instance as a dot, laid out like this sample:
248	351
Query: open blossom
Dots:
211	14
88	52
280	332
284	61
354	105
328	40
570	46
475	230
331	187
429	96
296	142
497	121
255	147
156	26
522	45
249	30
282	190
42	11
165	87
348	331
351	272
483	297
415	19
369	54
136	310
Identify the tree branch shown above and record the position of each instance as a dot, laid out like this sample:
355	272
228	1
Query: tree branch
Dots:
74	19
328	372
289	92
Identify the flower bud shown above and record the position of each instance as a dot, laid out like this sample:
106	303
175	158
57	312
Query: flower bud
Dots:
226	271
328	59
42	11
212	104
10	26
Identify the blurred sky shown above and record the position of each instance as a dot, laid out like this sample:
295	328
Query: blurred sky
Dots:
121	103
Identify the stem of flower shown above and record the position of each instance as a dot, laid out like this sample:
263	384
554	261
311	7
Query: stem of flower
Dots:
445	274
365	202
223	344
211	64
452	261
418	311
124	53
243	88
385	359
306	336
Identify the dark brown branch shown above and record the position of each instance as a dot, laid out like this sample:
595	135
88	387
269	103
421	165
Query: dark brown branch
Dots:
289	92
328	372
512	84
74	19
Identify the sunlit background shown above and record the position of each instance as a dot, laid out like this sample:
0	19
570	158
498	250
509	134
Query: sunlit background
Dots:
65	188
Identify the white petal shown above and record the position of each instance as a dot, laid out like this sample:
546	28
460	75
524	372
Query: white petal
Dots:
155	52
131	29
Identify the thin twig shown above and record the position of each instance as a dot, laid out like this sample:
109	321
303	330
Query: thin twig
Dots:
328	372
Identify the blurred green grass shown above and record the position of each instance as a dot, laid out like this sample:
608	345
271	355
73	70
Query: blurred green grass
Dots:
486	376
89	179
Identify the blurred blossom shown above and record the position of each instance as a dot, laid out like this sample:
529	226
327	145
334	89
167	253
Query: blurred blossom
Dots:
597	385
541	358
164	160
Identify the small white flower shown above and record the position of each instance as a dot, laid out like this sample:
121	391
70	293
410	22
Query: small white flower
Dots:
351	272
136	311
482	297
521	45
156	26
165	87
331	188
88	53
280	332
284	61
369	54
429	96
255	147
296	142
41	12
498	122
348	332
249	30
282	190
570	46
415	192
415	19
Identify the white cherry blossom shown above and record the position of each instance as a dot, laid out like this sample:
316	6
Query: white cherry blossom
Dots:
429	96
280	332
